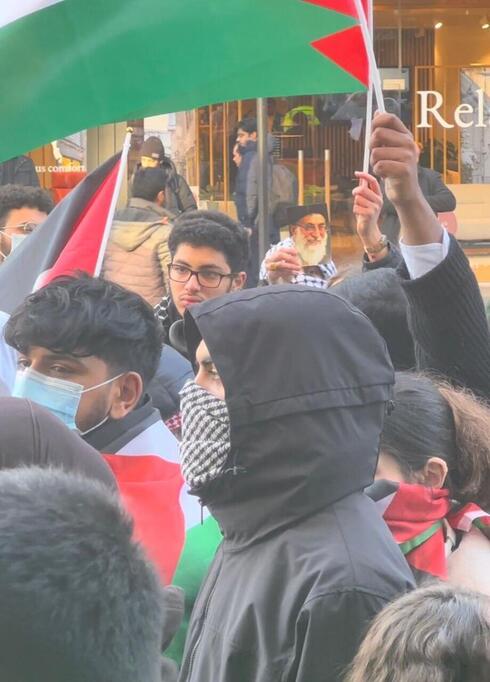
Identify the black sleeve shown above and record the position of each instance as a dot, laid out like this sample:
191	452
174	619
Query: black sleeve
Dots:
393	259
186	198
329	631
439	197
448	322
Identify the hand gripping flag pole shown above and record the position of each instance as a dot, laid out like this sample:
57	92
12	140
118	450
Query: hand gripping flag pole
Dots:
369	98
115	197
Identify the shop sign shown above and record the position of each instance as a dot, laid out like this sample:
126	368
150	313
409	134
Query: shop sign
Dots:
463	116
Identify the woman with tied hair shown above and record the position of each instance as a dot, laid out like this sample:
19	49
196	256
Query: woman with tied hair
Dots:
433	480
434	634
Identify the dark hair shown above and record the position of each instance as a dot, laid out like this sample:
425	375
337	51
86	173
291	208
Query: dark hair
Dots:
432	419
380	296
85	316
148	182
248	125
435	634
19	196
214	230
80	600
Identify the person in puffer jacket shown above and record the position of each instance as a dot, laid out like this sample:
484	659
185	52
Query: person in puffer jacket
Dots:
137	255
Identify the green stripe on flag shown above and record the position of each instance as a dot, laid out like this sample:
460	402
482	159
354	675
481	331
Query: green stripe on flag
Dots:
200	547
82	63
410	545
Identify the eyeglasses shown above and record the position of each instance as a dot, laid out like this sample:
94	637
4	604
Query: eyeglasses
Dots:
209	279
26	227
310	228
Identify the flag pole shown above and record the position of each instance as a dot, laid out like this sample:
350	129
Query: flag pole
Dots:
373	67
115	197
263	179
369	98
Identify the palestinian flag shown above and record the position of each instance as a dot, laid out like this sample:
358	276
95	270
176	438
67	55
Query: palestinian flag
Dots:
68	65
177	533
416	516
69	239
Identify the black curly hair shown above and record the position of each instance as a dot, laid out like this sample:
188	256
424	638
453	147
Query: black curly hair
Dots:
85	316
214	230
19	196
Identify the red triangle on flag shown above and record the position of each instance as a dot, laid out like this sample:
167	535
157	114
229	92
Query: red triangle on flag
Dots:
342	6
347	50
81	251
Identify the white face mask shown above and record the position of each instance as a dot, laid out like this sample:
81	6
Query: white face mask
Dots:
15	241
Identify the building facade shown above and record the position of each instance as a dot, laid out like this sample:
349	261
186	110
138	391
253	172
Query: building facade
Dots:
434	59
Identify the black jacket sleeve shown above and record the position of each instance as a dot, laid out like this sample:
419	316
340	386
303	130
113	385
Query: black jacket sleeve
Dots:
448	322
329	631
186	198
439	197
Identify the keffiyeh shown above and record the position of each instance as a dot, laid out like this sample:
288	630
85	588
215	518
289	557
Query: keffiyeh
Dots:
205	435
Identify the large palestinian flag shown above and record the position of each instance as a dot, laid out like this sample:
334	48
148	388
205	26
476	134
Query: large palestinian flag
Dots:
70	238
67	65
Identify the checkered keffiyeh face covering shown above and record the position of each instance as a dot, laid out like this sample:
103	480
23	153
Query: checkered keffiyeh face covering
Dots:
205	441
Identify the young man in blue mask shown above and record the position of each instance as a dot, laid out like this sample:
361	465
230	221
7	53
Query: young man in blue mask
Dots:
87	350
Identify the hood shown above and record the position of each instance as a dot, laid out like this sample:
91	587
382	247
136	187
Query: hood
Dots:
131	234
307	378
32	436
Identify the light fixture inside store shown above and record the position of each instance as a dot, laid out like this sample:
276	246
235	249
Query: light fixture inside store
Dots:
485	23
438	25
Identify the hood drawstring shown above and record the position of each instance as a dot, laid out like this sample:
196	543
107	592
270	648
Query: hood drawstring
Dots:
235	469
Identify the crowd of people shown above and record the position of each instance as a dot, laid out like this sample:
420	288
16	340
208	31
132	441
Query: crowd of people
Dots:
328	433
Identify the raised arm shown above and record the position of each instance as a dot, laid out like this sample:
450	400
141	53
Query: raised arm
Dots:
447	315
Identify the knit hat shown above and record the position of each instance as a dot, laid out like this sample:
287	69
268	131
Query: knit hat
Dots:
153	148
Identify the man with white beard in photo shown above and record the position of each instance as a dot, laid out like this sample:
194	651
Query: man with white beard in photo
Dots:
305	256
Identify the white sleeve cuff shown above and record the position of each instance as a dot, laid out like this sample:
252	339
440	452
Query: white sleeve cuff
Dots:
423	258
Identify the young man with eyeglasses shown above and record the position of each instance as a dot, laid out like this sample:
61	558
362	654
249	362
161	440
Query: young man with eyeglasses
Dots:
22	209
209	254
305	256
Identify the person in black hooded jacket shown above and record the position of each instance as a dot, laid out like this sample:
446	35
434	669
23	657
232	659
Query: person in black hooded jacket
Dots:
280	437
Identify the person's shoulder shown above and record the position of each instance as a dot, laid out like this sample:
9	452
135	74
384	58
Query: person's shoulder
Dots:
469	565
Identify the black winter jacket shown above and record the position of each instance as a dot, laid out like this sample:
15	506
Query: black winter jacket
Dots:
439	197
447	319
306	561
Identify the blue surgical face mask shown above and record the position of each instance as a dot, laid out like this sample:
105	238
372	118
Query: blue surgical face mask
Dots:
16	240
59	396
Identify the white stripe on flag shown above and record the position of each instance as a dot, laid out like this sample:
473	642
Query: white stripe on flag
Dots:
158	441
155	440
11	11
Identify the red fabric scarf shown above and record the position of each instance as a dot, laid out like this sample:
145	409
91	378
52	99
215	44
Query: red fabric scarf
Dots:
415	516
